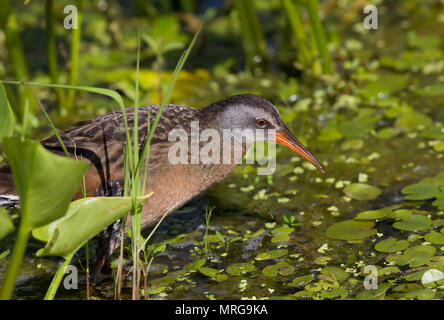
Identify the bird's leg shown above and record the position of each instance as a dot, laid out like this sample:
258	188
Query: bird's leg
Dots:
108	239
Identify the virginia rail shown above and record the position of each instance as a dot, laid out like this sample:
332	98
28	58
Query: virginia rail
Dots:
99	141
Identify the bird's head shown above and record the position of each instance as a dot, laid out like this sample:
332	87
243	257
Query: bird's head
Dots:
251	112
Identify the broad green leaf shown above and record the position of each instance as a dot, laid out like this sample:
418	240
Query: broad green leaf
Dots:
6	115
351	230
391	245
85	219
272	254
434	237
373	214
420	191
238	269
45	182
417	256
6	225
414	222
336	273
362	191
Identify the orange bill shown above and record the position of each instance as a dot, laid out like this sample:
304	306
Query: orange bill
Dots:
287	139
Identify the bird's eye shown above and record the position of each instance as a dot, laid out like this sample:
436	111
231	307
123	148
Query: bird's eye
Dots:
261	123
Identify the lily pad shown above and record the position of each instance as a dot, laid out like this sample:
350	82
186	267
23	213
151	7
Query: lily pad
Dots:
434	237
417	256
238	269
351	230
272	254
282	268
391	245
414	222
372	214
374	294
336	273
420	191
362	191
412	121
436	89
301	281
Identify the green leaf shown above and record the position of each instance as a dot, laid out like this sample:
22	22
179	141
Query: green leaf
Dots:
412	121
413	222
85	219
6	225
238	269
335	272
374	294
434	237
391	245
195	265
45	182
351	230
6	115
417	256
436	89
272	254
362	191
420	191
4	254
372	214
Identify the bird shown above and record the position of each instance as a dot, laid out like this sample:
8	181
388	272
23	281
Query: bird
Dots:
101	142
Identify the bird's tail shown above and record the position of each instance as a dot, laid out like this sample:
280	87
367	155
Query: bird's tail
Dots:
8	194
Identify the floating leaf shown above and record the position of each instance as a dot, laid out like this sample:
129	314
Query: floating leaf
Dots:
387	133
422	41
272	254
374	294
422	294
372	214
195	265
281	234
417	256
213	273
351	230
434	237
362	191
435	132
420	191
238	269
301	281
412	121
281	268
391	245
414	222
435	89
336	273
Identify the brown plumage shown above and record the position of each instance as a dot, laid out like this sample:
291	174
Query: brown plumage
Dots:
101	142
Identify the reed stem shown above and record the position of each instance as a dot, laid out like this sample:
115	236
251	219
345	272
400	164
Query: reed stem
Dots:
51	52
253	39
15	54
294	16
75	52
319	35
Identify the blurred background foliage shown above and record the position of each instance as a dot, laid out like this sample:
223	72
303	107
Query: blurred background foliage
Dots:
255	44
